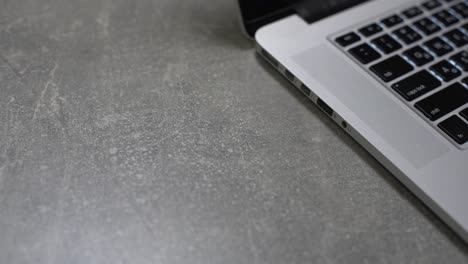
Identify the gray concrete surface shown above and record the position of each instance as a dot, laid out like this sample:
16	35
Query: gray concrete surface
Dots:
148	131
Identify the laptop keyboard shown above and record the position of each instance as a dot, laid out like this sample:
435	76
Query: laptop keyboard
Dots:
421	54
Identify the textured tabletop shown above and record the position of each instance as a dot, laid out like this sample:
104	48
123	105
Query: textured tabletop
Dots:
148	131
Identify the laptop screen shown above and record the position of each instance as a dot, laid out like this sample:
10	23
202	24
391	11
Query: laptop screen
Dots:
256	13
254	9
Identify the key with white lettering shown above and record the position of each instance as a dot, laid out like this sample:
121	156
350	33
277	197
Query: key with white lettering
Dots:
443	102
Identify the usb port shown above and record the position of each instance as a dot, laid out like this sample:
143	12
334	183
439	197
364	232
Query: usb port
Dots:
327	109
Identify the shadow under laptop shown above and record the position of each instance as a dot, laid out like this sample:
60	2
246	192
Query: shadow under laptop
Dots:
373	163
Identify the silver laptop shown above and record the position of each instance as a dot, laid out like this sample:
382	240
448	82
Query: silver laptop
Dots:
392	74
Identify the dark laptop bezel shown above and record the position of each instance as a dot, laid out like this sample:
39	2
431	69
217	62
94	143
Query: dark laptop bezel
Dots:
257	13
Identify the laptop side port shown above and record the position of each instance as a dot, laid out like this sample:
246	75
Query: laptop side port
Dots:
289	75
269	58
344	124
327	109
305	89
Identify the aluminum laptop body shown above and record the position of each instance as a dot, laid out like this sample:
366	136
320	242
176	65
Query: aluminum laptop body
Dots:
324	53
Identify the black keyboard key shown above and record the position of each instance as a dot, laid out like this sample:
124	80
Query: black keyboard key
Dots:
456	128
412	12
461	9
457	37
465	27
443	102
465	81
445	18
438	46
464	113
418	56
461	60
392	68
431	5
387	44
392	21
365	53
427	26
416	85
407	35
348	39
370	30
446	71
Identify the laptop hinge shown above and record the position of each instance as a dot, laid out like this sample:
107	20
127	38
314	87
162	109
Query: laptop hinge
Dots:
310	11
251	26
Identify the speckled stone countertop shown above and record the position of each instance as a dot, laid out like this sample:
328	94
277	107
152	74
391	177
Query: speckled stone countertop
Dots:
148	131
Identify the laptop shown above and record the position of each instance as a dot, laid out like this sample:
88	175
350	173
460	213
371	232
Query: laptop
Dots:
392	74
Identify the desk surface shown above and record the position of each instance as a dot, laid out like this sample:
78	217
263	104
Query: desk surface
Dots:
148	131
